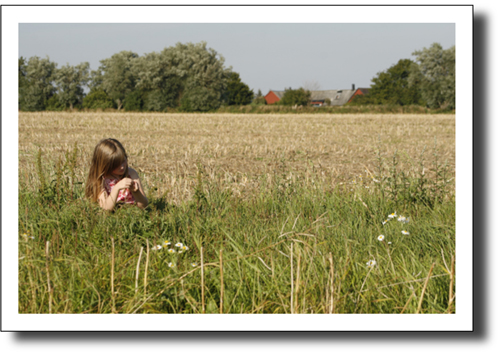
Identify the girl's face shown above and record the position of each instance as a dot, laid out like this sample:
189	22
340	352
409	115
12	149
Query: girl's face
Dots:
120	170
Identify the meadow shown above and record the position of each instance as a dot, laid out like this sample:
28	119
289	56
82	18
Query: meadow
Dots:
279	213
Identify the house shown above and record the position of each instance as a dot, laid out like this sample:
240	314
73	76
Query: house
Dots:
274	96
322	98
359	91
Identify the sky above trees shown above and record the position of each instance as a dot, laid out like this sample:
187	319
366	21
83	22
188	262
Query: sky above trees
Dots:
266	55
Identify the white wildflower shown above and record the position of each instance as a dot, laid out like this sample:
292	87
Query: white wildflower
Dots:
157	247
371	263
404	232
381	238
403	219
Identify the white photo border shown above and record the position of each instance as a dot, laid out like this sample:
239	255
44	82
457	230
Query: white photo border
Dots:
461	16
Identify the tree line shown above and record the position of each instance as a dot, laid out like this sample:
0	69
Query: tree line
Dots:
428	81
192	78
189	77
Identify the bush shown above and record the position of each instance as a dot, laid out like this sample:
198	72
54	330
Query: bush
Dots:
54	104
97	100
298	97
199	99
133	101
259	101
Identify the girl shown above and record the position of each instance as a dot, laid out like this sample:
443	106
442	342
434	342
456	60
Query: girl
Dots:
110	180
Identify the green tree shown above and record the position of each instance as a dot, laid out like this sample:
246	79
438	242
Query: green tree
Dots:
392	86
179	71
295	97
206	76
133	101
116	76
237	92
38	85
70	81
199	99
22	80
95	81
54	104
435	75
159	79
97	99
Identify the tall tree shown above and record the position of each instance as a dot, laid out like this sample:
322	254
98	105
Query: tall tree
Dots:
393	86
38	83
117	76
207	76
237	92
435	75
189	71
95	81
22	79
70	81
159	82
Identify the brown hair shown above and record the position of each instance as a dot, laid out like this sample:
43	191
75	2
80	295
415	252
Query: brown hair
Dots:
109	154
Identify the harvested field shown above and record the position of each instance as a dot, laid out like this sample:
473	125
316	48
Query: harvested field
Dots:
168	148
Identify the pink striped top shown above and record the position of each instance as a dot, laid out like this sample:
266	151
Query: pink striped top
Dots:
124	196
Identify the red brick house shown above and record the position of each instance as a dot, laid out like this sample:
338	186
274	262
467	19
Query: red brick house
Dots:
274	96
359	91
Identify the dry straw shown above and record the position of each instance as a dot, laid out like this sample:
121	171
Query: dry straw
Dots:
425	287
49	289
291	279
146	268
137	270
202	282
221	283
113	309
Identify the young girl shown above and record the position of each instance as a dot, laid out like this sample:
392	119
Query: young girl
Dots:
110	180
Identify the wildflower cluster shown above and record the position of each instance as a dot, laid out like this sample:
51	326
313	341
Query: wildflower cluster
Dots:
178	248
401	219
27	235
381	238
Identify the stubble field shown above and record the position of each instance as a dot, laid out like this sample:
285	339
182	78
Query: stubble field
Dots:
281	213
169	149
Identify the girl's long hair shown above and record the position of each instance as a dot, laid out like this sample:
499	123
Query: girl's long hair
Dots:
109	154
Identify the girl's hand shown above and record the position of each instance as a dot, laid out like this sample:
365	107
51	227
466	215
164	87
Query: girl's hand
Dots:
135	185
125	183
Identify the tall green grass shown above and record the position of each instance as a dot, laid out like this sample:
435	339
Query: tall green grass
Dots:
291	246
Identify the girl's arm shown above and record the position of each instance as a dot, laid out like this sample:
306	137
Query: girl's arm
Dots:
137	191
108	202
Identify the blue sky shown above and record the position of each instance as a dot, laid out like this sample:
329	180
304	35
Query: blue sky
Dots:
266	55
